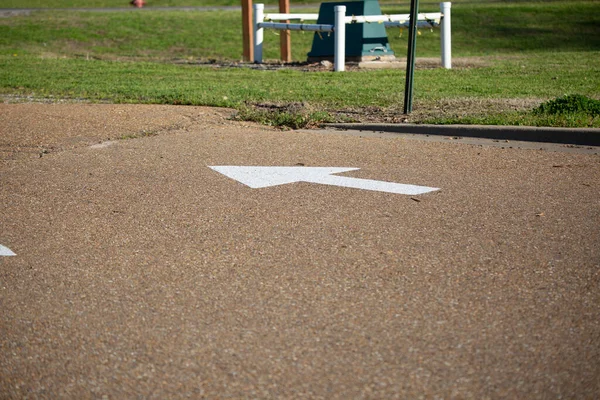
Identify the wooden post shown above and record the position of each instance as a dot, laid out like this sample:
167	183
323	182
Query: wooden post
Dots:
285	37
247	28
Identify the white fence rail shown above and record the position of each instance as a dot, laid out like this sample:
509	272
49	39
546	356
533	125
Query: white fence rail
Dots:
262	21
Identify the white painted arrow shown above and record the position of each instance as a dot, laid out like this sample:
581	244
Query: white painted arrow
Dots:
5	251
260	177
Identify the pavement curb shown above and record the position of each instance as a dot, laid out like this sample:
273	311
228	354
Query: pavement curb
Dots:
577	136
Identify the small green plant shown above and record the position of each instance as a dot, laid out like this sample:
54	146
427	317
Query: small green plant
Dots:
570	104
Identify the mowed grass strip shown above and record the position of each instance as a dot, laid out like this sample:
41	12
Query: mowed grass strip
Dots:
489	29
140	57
210	85
148	36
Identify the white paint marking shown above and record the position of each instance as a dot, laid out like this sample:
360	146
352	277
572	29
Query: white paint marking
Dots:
260	177
6	252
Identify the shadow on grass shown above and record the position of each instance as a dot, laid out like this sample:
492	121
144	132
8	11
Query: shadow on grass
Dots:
551	26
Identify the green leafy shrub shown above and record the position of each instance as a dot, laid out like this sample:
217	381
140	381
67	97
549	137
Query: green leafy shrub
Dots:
570	104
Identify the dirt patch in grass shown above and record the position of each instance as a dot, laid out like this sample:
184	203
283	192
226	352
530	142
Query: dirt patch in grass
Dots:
422	111
463	107
327	65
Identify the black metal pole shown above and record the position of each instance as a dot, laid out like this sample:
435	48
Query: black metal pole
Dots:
410	59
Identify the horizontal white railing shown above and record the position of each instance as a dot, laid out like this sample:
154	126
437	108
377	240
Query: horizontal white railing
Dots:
389	20
339	28
394	18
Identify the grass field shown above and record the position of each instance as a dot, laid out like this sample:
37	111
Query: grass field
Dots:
200	3
515	54
125	3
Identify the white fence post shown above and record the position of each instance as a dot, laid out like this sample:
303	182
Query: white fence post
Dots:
446	35
259	17
339	54
339	29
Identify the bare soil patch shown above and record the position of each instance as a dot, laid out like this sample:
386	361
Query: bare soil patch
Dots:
327	65
462	107
422	111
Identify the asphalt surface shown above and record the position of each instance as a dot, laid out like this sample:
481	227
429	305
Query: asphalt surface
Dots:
142	273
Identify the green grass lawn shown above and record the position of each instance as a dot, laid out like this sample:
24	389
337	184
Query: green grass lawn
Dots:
125	3
523	53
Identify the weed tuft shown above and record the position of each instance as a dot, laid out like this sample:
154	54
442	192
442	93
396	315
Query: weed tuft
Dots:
291	116
137	135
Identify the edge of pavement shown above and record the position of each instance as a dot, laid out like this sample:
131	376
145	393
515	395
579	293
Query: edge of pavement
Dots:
576	136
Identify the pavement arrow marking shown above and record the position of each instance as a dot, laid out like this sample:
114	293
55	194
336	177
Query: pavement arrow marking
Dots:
260	177
5	251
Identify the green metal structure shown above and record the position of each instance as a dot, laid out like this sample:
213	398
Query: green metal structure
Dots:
363	41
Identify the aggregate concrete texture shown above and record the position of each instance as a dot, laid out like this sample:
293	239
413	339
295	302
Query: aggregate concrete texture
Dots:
142	273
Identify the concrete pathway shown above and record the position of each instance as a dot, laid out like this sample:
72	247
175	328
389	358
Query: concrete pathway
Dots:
140	272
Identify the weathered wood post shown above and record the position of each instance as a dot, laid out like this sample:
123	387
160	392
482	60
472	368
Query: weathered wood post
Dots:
247	37
285	36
